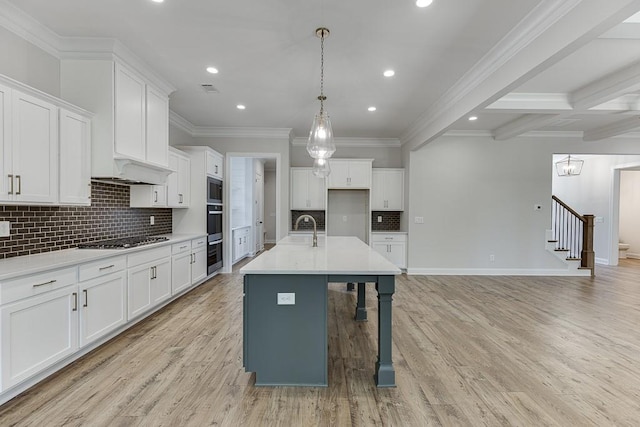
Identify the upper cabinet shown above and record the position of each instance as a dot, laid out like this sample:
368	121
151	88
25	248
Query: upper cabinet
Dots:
387	190
350	173
214	165
178	183
307	190
75	158
130	132
29	147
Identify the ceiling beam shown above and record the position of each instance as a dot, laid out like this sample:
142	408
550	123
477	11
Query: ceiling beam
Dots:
613	129
523	124
611	86
524	103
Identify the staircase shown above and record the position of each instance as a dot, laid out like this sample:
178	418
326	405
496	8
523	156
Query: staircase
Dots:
571	238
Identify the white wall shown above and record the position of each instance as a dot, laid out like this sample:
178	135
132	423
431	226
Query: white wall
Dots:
28	64
383	157
630	211
270	205
477	196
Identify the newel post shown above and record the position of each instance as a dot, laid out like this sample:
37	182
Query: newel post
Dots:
587	255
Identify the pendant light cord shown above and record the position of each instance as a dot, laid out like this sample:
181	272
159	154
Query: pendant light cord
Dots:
322	98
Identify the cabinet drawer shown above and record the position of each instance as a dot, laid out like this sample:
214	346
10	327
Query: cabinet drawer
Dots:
35	284
199	243
149	255
177	248
101	268
389	237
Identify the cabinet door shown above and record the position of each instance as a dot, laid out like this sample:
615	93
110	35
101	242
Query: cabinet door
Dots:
172	181
5	142
339	176
38	332
184	182
130	139
394	190
199	265
161	281
75	159
317	192
377	191
300	189
34	149
180	272
103	306
214	165
159	194
139	290
359	174
237	245
157	132
397	254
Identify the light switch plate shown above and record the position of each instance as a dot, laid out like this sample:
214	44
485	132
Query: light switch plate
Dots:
5	228
379	218
286	298
419	220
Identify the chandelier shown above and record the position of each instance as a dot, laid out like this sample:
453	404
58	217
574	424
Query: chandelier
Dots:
320	145
569	166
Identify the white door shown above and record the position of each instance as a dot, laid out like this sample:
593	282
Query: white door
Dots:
299	189
258	202
359	174
377	191
161	281
199	265
5	142
103	306
394	190
75	159
184	182
34	149
139	290
38	332
129	114
181	272
157	127
317	192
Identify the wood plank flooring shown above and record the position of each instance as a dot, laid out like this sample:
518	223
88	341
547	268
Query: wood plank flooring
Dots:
477	351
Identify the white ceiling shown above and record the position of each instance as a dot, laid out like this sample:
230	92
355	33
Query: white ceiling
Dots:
269	60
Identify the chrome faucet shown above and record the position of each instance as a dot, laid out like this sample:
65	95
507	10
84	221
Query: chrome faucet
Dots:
315	231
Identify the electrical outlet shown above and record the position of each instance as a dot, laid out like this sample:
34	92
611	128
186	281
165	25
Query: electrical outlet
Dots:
286	298
5	228
492	257
379	218
306	219
419	220
537	207
152	220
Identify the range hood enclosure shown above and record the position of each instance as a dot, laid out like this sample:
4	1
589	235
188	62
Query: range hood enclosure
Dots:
134	172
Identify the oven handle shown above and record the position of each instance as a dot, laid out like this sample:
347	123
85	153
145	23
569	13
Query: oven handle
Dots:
215	243
215	212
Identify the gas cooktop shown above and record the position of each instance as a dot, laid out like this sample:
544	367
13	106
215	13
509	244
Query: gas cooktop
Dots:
126	242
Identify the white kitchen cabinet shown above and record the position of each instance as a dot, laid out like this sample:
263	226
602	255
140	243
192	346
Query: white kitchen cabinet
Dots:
215	163
129	99
308	192
241	243
188	264
392	246
148	196
37	332
350	173
157	130
199	263
75	159
178	182
5	142
148	280
29	149
387	190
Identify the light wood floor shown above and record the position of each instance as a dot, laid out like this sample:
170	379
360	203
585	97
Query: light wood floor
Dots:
526	351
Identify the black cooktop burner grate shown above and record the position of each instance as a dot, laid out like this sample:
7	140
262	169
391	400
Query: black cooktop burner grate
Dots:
127	242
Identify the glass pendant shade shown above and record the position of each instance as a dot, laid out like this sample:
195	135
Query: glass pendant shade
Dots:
321	145
569	166
321	168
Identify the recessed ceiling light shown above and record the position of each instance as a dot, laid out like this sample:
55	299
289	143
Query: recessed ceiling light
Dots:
472	118
240	107
371	109
423	3
157	1
212	70
389	73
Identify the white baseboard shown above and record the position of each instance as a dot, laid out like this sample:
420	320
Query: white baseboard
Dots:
602	261
271	241
495	272
633	255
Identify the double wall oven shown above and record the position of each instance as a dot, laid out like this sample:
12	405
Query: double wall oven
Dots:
214	224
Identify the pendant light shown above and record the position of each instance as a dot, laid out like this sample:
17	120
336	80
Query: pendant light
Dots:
320	144
569	166
321	168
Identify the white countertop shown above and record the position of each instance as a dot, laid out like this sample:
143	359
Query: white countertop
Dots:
30	264
334	255
388	232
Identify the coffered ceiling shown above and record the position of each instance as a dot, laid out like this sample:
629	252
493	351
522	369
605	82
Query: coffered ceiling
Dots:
519	66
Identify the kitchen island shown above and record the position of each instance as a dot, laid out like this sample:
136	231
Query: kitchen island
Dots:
285	307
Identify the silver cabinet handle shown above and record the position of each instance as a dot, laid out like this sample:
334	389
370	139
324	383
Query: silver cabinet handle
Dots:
89	197
155	199
10	183
388	238
179	198
107	267
75	302
45	283
86	298
19	184
183	247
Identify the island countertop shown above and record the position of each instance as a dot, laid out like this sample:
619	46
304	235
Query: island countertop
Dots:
334	255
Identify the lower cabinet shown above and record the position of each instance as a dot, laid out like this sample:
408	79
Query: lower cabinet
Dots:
103	306
392	246
149	280
199	263
38	332
241	243
188	264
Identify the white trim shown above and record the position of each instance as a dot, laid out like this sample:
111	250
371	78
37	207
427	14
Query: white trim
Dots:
240	132
180	122
469	133
23	25
495	272
633	255
602	261
355	142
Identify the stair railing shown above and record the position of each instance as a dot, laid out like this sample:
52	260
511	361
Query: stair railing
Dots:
573	232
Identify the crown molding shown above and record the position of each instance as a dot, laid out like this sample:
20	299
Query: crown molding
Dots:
356	142
23	25
469	133
228	132
539	20
181	123
530	134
